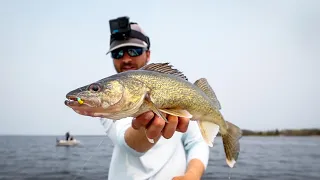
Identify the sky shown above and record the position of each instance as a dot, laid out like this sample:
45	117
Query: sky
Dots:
260	57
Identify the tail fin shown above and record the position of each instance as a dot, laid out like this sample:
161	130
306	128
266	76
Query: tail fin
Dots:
231	143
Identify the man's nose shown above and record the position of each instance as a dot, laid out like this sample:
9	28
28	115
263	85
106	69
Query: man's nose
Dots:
126	58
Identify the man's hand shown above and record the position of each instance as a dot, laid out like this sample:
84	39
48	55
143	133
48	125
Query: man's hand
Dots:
152	126
156	126
186	177
194	171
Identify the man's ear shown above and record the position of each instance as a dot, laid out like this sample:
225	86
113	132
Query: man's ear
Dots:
148	55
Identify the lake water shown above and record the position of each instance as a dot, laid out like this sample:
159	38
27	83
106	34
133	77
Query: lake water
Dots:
37	157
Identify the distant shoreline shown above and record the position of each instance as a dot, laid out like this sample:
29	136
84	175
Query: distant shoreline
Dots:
245	132
285	132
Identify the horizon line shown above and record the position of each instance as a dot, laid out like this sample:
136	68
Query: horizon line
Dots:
285	129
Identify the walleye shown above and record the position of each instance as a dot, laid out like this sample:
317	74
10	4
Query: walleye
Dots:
160	88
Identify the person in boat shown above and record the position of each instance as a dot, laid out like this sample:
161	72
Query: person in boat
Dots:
67	136
173	155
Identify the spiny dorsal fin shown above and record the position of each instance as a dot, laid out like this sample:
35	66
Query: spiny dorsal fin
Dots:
203	84
163	68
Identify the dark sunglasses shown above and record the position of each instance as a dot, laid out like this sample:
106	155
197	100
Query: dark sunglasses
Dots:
132	52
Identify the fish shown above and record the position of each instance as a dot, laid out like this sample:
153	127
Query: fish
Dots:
161	88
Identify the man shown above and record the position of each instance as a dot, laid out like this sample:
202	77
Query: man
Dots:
67	136
172	155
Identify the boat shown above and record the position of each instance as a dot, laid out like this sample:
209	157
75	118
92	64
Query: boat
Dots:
63	142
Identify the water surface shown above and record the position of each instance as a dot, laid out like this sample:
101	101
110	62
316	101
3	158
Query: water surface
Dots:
37	157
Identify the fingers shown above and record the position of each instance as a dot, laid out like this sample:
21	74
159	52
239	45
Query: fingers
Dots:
170	127
142	120
155	128
183	124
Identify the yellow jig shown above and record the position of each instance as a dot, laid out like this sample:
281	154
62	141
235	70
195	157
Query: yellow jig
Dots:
79	100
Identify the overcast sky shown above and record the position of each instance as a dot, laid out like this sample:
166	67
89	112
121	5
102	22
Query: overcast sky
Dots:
260	57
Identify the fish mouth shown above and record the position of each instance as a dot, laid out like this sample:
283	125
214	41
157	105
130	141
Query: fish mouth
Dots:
73	102
84	108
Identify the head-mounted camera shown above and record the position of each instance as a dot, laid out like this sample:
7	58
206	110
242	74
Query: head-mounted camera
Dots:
120	29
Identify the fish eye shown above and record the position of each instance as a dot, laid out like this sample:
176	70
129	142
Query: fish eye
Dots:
95	87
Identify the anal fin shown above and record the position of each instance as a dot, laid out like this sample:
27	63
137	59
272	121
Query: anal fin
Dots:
208	131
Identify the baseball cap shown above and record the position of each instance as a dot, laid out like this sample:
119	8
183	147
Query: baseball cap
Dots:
129	42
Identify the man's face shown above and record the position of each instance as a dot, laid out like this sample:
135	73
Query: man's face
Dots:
129	58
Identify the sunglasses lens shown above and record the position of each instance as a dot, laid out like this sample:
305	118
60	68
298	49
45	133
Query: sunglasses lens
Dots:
132	51
135	52
117	54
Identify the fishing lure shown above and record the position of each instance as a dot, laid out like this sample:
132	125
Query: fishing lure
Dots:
79	100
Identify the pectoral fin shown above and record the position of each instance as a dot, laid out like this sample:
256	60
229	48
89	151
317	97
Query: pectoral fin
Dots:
154	108
177	112
209	131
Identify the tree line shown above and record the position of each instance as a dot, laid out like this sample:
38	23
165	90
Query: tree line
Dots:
284	132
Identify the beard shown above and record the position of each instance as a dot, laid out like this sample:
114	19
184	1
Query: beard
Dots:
125	67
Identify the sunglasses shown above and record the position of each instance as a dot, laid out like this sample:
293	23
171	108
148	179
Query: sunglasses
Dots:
131	51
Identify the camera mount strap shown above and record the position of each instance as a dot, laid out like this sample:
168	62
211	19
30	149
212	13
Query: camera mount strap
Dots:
134	34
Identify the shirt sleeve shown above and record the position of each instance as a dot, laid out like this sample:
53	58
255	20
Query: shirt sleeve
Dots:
116	130
195	146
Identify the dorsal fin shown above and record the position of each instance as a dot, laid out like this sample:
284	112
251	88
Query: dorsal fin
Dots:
163	68
203	84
